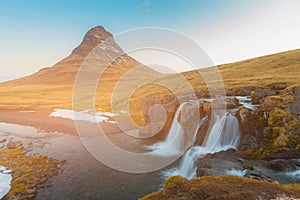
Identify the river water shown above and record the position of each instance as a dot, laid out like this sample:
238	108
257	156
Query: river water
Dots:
82	176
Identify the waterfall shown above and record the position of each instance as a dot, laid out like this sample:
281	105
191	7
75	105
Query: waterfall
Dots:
173	144
223	135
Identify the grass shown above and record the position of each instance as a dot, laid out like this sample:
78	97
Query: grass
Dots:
53	87
222	188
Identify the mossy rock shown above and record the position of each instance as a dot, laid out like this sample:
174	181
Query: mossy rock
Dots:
223	187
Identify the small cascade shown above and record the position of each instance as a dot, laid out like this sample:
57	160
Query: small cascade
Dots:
223	135
173	144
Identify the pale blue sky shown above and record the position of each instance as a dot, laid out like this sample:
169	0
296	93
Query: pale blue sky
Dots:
35	34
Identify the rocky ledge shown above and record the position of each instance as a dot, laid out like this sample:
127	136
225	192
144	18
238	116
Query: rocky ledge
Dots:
273	130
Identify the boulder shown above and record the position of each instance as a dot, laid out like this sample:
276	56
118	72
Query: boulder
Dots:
217	164
14	144
252	126
294	106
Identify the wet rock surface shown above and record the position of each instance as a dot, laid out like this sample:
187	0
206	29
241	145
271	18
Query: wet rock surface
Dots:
269	145
229	162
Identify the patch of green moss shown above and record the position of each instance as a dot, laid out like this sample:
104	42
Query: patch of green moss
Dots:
271	102
288	93
279	117
28	172
280	132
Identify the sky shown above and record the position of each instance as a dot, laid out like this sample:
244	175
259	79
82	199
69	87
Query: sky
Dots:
36	34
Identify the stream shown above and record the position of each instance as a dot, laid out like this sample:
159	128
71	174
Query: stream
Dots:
84	177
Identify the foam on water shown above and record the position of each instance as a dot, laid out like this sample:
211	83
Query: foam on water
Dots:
235	172
5	179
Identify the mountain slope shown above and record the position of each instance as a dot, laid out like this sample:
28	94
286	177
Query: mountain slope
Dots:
52	87
261	71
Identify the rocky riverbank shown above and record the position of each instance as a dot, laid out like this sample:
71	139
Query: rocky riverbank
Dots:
273	130
268	153
28	172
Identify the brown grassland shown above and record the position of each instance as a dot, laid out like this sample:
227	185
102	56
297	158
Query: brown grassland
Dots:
52	87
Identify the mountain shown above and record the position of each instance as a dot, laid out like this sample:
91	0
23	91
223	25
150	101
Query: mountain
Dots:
52	87
64	72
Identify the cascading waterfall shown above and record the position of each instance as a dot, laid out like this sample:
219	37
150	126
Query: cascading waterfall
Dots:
173	144
223	135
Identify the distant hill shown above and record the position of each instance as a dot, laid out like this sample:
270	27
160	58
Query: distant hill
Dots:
261	71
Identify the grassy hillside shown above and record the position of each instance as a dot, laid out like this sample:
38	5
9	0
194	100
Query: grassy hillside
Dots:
52	87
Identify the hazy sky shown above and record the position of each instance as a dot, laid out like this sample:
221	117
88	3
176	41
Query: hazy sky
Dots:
36	34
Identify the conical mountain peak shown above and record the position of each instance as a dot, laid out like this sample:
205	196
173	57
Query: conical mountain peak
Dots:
91	39
96	35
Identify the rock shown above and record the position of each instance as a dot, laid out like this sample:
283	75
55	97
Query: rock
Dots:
254	98
248	166
277	86
188	116
217	163
169	102
294	106
258	176
14	144
283	165
232	103
251	126
158	118
3	140
30	191
271	131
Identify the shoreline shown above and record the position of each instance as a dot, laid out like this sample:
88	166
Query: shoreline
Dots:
42	121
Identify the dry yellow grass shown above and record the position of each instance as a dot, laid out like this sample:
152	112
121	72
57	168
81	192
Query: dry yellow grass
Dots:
53	87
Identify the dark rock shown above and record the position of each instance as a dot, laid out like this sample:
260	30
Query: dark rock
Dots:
252	127
216	164
294	106
259	176
278	86
248	166
283	165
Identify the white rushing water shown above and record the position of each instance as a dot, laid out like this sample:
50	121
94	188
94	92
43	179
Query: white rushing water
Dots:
235	172
5	179
223	135
246	102
173	144
294	174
